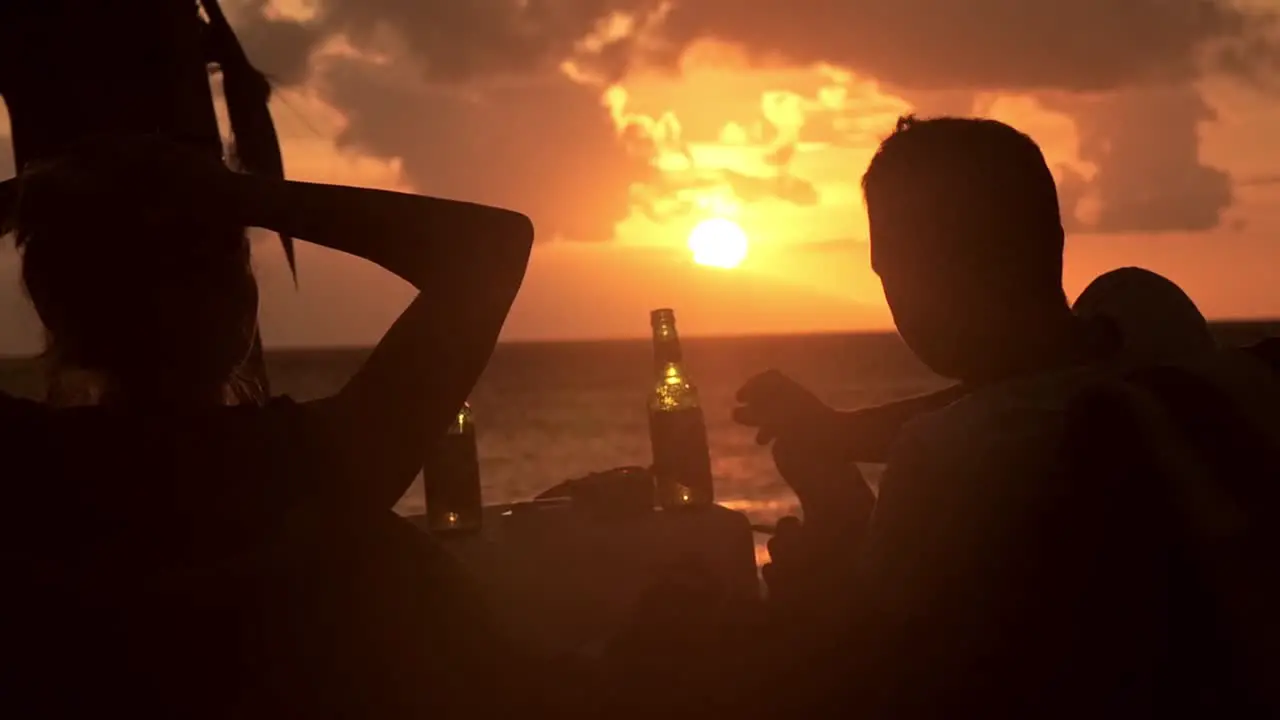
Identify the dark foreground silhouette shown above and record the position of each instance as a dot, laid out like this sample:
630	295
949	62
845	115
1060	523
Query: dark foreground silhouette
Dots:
177	555
172	553
1009	568
180	549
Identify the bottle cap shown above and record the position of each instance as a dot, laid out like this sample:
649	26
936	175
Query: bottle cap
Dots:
662	316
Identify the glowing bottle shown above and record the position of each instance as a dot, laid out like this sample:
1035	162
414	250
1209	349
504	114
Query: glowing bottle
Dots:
677	429
451	479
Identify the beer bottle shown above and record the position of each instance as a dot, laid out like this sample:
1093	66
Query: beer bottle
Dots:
677	430
451	479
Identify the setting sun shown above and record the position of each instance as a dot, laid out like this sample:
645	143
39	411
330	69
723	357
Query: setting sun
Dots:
718	243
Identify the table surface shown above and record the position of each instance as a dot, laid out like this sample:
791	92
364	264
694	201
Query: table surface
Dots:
565	579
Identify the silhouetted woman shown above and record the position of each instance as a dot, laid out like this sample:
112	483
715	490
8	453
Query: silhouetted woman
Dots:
180	545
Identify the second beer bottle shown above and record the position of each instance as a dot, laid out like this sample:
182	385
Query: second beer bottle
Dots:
677	429
451	479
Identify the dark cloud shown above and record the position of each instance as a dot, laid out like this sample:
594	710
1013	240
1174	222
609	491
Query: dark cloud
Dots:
281	48
543	145
1144	143
476	38
939	51
1149	177
922	44
504	128
983	44
454	41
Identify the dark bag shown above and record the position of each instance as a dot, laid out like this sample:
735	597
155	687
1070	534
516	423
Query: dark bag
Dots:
1197	450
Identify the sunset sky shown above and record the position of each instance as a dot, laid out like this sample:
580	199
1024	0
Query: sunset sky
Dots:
619	125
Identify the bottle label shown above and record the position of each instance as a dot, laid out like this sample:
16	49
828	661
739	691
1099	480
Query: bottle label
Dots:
681	459
451	482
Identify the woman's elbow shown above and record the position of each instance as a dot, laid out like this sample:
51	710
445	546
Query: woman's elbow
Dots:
515	250
522	235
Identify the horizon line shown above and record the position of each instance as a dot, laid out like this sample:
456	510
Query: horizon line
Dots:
345	347
571	340
1261	321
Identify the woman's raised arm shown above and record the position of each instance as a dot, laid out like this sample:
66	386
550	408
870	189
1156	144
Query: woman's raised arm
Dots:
467	262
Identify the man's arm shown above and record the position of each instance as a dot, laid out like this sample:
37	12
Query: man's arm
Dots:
868	433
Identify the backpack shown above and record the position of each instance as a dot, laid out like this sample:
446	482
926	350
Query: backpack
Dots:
1195	453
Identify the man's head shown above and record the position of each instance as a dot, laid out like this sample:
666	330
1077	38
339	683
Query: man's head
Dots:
966	237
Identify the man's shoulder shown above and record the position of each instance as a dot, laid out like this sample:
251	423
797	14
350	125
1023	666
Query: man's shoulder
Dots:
984	461
1019	415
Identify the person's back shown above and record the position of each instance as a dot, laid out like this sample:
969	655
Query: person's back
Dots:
151	578
1189	437
171	554
1195	450
136	591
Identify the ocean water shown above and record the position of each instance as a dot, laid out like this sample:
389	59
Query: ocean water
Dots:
546	412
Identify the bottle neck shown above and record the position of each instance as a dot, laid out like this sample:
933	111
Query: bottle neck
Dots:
666	342
461	422
666	351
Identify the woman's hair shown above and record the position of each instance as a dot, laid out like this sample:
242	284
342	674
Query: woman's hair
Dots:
143	303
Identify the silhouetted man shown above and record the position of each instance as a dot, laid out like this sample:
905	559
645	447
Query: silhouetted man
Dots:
983	587
1153	320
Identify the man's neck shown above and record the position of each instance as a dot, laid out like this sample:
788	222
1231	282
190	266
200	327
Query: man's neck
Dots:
1044	343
